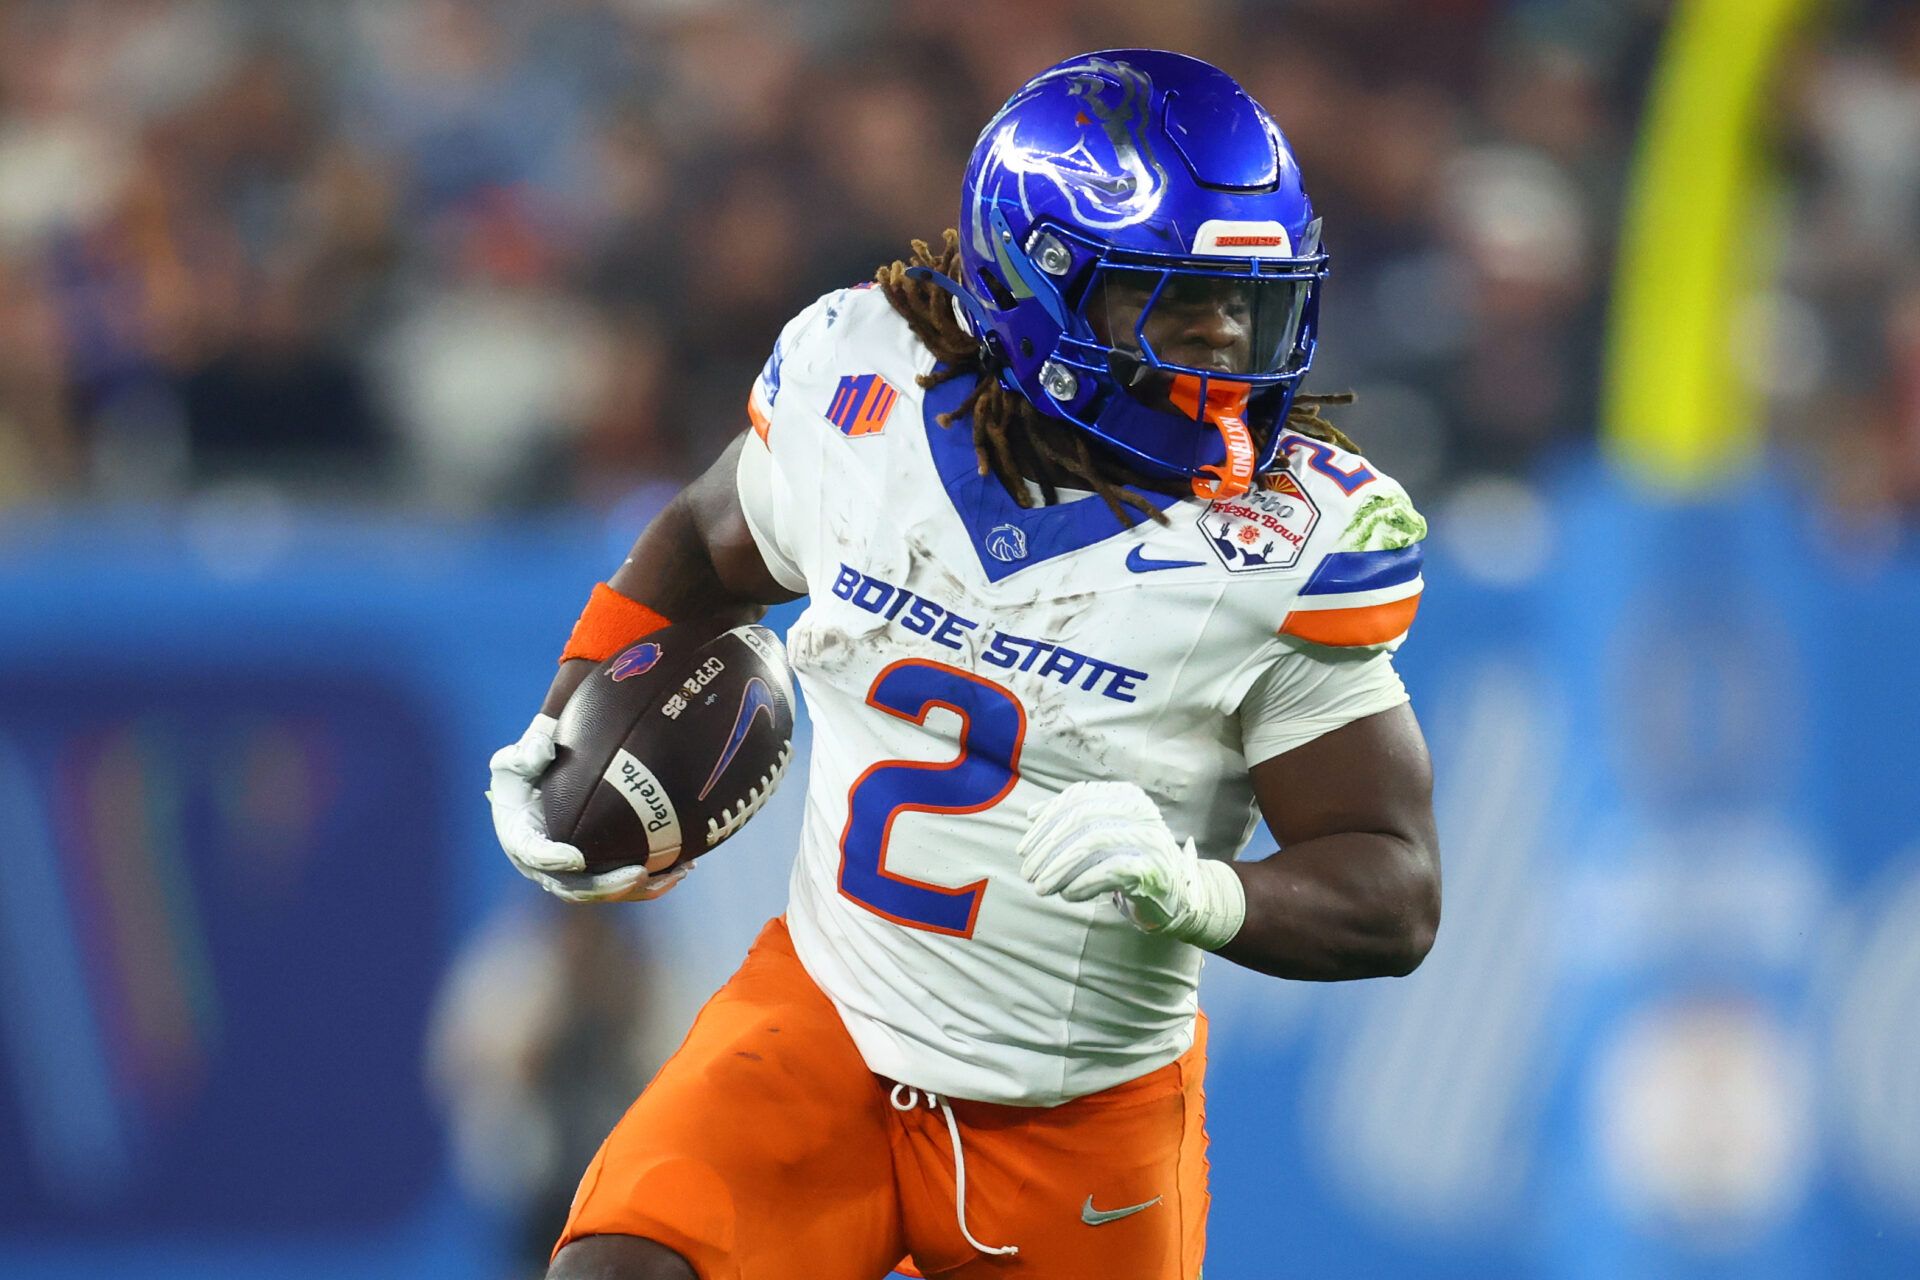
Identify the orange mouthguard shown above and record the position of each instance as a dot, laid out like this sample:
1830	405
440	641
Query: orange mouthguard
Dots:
1226	409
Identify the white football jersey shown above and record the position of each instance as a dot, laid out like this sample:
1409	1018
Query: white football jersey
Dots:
964	659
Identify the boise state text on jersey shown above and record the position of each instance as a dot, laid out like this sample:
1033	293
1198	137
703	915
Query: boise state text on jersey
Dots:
1003	649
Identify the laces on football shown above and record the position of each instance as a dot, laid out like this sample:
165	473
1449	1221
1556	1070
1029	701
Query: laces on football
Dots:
734	817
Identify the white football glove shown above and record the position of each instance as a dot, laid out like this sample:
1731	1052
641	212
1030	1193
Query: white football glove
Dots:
1109	837
558	868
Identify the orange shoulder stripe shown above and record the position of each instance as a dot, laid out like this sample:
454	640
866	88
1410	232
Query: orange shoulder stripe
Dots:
1370	624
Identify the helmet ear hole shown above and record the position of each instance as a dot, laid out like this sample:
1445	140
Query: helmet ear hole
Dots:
1003	298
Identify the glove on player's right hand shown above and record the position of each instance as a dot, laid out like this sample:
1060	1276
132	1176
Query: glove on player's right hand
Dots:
522	828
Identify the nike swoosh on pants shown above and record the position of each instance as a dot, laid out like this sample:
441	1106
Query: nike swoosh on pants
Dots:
1097	1217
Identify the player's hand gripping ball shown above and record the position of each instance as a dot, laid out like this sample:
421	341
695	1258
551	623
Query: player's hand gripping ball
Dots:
1098	838
521	826
662	753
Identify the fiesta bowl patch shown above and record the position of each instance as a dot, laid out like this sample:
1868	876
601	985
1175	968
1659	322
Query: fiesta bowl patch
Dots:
1266	528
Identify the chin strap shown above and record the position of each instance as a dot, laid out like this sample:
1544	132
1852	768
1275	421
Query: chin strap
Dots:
1225	408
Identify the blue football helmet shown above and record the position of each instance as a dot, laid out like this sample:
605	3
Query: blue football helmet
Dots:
1137	252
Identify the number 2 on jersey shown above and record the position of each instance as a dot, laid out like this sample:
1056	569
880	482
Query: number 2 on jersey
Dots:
993	724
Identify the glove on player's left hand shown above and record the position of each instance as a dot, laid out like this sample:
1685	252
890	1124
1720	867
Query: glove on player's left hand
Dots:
1109	837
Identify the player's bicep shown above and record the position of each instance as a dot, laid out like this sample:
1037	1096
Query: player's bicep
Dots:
1371	775
697	558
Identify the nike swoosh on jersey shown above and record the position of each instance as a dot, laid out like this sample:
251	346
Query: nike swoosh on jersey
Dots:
1141	564
1098	1217
754	699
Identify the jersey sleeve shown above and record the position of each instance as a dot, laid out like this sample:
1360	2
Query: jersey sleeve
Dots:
1364	591
780	476
1330	661
755	483
1300	696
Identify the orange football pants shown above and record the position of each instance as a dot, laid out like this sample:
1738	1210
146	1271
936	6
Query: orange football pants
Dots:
766	1150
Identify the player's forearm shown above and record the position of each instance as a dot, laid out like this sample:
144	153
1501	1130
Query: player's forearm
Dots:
671	571
697	559
1355	905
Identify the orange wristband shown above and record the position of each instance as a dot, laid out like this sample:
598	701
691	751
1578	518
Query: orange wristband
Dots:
608	624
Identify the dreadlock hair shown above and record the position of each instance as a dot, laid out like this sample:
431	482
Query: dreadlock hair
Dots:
1010	436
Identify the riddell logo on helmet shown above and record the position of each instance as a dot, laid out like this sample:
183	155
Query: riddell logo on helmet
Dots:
1243	239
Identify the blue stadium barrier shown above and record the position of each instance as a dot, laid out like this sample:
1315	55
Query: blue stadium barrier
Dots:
1668	1028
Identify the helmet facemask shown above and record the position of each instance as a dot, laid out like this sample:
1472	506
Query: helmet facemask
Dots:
1155	346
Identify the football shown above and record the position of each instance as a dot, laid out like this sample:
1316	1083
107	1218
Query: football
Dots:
670	746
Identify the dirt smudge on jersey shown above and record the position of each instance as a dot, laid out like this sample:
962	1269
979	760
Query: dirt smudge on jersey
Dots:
1047	617
946	588
1054	719
820	648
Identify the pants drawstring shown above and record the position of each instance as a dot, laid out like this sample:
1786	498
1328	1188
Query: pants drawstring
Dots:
906	1098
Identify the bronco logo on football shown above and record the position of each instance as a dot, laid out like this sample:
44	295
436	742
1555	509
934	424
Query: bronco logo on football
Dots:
636	661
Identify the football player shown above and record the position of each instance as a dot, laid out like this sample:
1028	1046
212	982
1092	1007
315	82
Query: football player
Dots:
1091	587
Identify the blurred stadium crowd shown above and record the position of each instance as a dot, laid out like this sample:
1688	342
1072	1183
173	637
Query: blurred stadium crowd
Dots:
477	255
